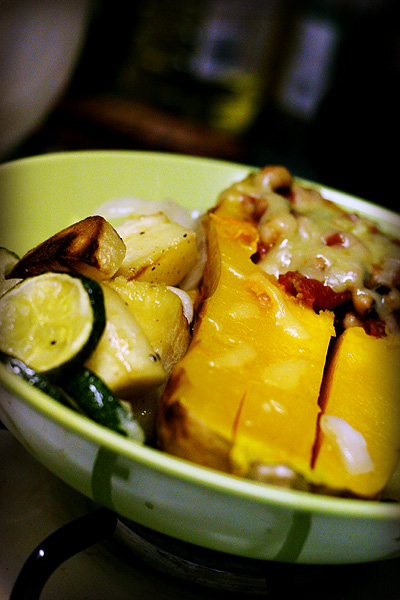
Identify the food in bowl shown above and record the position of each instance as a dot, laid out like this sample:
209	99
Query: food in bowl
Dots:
294	358
98	318
262	388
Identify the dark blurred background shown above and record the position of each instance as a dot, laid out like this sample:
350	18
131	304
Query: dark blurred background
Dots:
313	85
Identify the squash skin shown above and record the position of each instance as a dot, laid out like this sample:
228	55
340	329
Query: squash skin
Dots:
362	388
221	393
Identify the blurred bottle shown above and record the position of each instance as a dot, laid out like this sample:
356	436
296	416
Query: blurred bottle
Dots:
318	36
308	63
359	116
210	60
314	31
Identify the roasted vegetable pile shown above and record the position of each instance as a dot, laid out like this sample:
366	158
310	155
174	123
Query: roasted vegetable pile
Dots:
92	316
262	339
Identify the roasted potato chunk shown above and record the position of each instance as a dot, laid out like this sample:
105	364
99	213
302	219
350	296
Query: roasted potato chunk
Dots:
127	363
91	247
159	312
124	357
157	250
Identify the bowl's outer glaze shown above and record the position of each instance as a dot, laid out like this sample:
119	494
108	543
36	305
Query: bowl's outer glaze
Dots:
40	196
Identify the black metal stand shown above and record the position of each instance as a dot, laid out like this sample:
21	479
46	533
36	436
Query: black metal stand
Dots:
64	543
303	582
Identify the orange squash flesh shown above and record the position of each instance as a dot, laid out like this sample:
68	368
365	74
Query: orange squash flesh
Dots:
255	387
359	439
234	380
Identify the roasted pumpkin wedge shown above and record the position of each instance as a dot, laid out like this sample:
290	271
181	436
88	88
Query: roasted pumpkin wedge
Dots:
359	435
267	384
247	390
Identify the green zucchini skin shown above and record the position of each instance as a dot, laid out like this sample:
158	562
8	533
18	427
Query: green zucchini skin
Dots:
83	391
96	297
95	399
37	380
98	402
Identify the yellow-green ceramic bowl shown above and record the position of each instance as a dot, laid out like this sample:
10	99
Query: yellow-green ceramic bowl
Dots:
43	194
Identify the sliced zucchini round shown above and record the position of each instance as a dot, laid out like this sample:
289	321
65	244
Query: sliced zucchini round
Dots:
52	322
93	397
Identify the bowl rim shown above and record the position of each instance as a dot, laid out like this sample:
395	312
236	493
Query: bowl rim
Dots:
161	461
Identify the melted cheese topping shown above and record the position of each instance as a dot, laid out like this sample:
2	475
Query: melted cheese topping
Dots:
303	232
